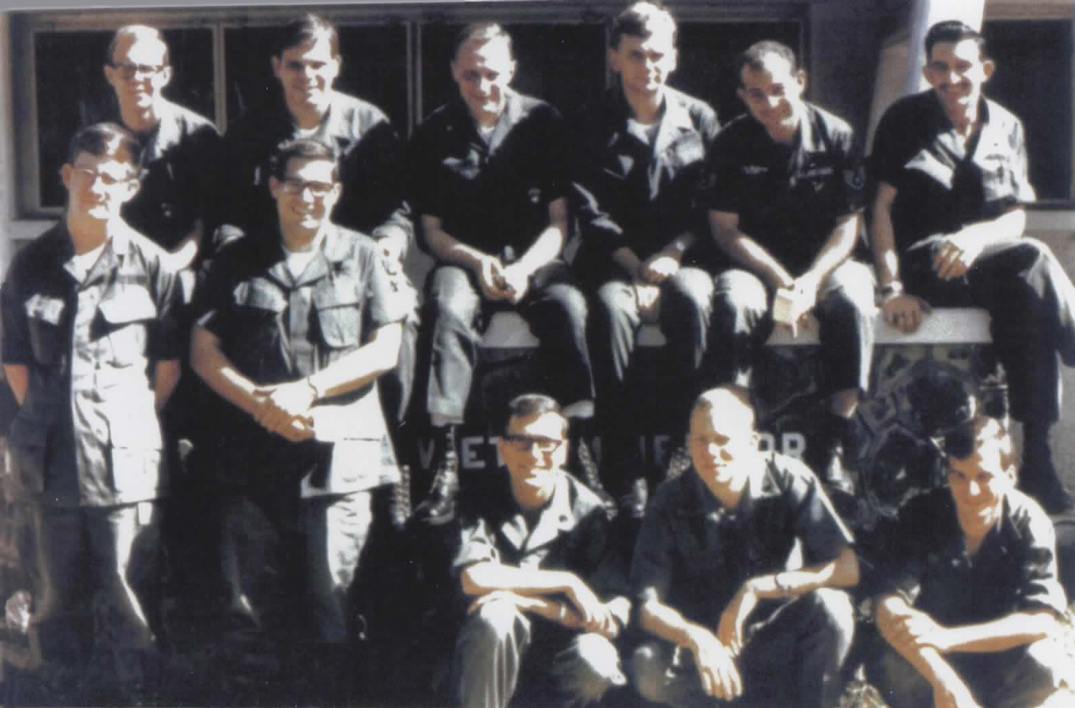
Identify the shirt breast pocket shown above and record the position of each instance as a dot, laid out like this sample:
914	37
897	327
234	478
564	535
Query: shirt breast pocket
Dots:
44	315
127	314
339	315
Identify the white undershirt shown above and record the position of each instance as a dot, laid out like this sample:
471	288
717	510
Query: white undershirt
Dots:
298	260
644	131
82	264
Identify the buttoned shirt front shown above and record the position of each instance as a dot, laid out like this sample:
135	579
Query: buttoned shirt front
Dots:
87	432
570	533
179	166
637	194
692	554
366	147
922	555
788	197
275	328
493	194
942	184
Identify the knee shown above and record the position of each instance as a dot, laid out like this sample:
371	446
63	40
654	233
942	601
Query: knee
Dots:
571	302
451	293
737	291
588	668
647	672
837	616
693	286
614	300
493	624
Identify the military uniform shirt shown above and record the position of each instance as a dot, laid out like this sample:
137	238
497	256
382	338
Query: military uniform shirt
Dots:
87	433
693	554
788	197
941	185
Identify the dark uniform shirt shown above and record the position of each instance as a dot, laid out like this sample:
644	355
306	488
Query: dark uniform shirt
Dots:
922	556
570	533
87	433
275	328
179	164
496	194
367	149
942	186
637	194
788	197
692	554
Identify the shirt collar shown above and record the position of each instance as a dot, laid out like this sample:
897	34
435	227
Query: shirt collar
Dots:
556	518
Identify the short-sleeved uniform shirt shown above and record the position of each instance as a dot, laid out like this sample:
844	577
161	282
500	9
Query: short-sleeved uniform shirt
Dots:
275	328
692	554
941	185
87	433
922	556
367	149
570	533
788	197
179	166
496	193
637	193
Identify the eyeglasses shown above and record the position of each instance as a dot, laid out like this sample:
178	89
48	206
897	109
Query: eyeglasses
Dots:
129	71
107	180
524	443
298	186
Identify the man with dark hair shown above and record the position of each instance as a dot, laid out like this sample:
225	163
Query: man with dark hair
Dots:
966	593
292	335
534	563
306	61
785	206
490	178
179	147
733	615
950	170
645	251
91	351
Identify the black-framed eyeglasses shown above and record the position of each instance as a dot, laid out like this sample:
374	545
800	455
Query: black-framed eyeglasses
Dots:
129	71
524	443
298	186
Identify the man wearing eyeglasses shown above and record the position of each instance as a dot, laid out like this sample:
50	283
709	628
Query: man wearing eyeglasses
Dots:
535	566
950	168
179	147
294	327
965	586
730	613
90	350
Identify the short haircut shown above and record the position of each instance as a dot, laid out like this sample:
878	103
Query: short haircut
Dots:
533	404
954	31
107	140
642	19
721	396
962	443
308	28
302	149
483	32
754	57
135	32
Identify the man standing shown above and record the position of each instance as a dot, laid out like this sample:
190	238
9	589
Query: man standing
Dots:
490	179
950	169
712	577
785	205
644	236
179	147
301	446
91	352
306	61
534	562
967	594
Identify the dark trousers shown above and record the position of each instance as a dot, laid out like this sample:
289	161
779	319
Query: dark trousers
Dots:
685	308
554	308
792	658
1030	300
845	310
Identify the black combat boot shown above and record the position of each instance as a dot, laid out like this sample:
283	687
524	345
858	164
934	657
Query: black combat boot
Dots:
440	505
583	465
828	460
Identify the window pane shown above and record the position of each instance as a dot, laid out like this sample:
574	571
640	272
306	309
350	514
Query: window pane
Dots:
72	90
1033	79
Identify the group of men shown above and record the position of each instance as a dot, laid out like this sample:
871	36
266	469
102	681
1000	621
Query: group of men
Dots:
303	328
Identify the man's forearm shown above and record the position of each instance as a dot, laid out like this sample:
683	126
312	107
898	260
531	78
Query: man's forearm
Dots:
883	236
837	247
165	379
668	624
550	242
743	249
18	378
210	363
490	576
358	368
1013	630
449	249
1006	227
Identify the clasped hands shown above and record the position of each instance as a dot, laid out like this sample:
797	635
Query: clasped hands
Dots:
794	302
503	282
715	655
284	409
647	280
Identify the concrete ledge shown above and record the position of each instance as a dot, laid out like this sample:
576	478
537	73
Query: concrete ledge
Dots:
956	325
